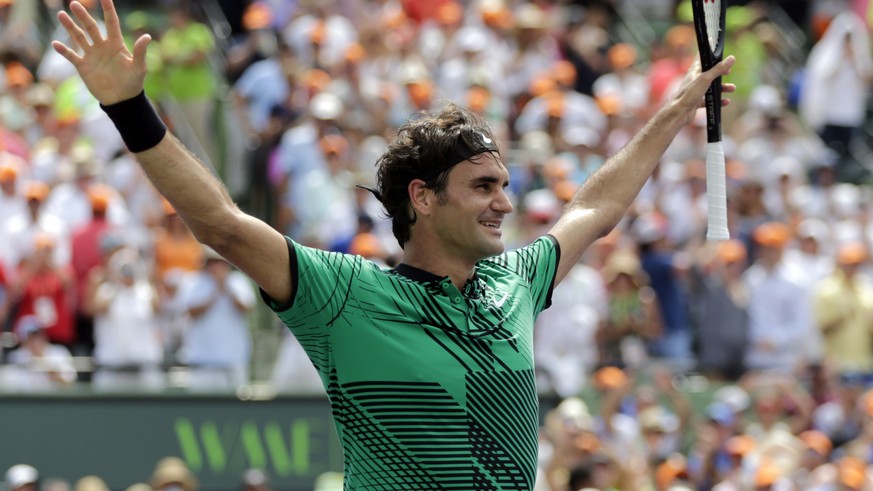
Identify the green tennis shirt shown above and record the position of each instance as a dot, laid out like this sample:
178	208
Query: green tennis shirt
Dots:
431	386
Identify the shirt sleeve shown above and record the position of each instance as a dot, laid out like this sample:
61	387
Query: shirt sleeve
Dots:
536	264
322	283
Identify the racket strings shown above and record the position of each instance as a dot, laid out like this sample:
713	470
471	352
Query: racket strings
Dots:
712	16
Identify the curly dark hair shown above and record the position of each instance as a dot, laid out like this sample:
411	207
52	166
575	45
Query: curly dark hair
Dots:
426	148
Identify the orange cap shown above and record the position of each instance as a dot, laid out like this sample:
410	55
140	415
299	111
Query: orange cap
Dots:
772	234
668	471
679	36
817	441
731	251
316	80
37	190
851	253
608	104
767	474
365	244
621	55
609	378
99	196
542	85
420	92
555	104
394	20
564	73
565	190
852	472
740	445
8	173
258	15
318	33
735	169
333	145
497	16
478	98
449	13
17	75
355	53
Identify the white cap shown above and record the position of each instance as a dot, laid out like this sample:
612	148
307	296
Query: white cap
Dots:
734	396
580	135
471	39
649	227
326	106
766	99
813	228
19	475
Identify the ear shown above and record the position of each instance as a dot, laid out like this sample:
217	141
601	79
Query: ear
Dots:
420	197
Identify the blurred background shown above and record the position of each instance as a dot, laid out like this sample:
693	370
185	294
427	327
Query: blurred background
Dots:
132	358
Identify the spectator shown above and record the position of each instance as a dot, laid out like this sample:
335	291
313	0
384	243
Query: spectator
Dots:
837	79
844	314
11	202
633	317
300	154
663	267
186	47
43	289
175	247
813	257
173	474
70	202
719	300
22	477
255	480
21	231
780	319
86	256
91	483
128	348
623	83
42	366
217	344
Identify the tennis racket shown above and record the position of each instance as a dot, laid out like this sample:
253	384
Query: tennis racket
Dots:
709	18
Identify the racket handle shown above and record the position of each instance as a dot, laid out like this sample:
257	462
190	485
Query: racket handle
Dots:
716	193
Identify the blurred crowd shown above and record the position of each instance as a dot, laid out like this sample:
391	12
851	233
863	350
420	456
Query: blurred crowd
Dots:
101	282
169	474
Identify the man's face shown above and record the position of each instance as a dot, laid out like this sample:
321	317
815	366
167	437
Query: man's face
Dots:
470	212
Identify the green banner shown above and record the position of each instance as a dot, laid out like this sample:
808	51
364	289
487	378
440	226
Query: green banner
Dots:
120	438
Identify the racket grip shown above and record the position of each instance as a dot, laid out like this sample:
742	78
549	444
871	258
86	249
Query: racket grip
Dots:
716	193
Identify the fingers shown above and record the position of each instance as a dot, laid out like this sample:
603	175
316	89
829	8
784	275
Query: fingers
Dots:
66	52
110	18
87	22
139	51
723	67
75	32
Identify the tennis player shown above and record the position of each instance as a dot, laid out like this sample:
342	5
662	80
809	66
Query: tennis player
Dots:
428	366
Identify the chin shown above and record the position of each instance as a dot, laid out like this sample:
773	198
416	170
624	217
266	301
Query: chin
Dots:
493	248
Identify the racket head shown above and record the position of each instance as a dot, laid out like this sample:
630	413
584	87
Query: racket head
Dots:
709	25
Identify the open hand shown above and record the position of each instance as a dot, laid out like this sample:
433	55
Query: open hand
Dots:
110	71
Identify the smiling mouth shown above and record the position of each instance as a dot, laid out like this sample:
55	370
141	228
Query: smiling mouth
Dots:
491	225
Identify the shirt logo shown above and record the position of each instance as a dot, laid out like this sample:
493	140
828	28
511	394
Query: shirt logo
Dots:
499	303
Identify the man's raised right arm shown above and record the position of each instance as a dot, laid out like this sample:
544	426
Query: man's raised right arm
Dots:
115	76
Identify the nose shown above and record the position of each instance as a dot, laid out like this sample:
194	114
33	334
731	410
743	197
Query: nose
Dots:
502	203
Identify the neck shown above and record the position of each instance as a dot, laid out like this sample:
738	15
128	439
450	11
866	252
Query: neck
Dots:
438	262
